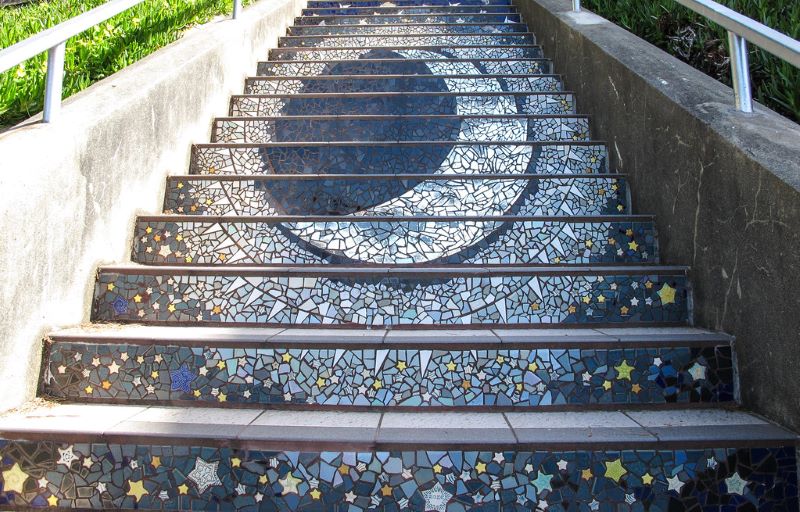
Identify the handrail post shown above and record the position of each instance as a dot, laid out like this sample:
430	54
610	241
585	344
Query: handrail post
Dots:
237	7
576	5
54	82
740	72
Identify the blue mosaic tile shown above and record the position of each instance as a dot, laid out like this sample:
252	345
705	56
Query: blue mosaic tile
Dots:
443	17
418	52
155	477
409	28
393	241
391	64
314	298
355	10
404	3
390	377
387	129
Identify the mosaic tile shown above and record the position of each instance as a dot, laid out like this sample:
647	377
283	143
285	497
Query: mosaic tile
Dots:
157	477
550	196
314	297
400	40
388	129
264	242
378	29
398	158
419	83
390	376
428	52
397	66
420	103
409	10
404	3
406	19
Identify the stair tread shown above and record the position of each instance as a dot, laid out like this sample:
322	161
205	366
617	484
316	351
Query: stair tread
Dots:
428	269
391	218
393	176
384	430
561	337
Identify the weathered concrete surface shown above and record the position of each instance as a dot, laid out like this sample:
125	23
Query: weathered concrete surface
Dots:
70	190
725	187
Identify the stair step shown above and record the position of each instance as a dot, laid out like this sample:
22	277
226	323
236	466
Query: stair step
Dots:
515	158
404	3
347	194
497	8
476	368
404	67
472	83
402	103
391	295
200	458
418	52
386	29
260	130
416	39
408	19
170	240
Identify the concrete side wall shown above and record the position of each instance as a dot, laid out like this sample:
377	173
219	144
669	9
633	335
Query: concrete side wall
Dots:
725	187
70	190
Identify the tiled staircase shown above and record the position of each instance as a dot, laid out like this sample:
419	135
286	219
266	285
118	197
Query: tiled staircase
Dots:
401	276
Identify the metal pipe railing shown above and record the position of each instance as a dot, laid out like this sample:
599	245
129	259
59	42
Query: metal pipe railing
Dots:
54	40
741	29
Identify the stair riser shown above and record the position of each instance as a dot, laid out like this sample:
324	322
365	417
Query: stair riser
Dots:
203	476
422	52
405	104
267	299
386	29
401	159
404	84
392	41
390	377
368	12
408	20
404	3
400	242
387	130
546	197
404	67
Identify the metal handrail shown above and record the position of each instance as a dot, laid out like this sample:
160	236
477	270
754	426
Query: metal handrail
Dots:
54	42
741	29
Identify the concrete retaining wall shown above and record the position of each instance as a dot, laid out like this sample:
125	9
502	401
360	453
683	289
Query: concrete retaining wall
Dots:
725	187
70	190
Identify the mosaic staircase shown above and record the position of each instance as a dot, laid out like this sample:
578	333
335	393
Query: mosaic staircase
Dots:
400	277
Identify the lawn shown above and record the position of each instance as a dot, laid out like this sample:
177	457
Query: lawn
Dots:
96	53
704	45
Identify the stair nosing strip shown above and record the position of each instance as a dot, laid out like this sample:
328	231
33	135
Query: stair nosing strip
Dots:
396	218
242	145
263	78
400	93
379	117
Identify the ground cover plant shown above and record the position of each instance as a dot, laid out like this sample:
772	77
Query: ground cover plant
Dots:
96	53
703	44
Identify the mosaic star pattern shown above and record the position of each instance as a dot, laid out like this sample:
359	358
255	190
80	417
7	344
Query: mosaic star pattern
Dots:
393	241
404	3
372	300
146	477
392	63
408	19
355	10
398	159
377	29
387	129
390	376
401	40
441	52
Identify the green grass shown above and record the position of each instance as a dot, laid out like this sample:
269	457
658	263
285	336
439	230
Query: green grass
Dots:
96	53
702	44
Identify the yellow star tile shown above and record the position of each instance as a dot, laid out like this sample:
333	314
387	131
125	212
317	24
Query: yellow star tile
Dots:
179	237
171	308
633	245
401	365
572	309
624	310
535	306
155	461
586	299
315	494
183	488
620	207
154	374
465	384
137	298
647	479
377	384
136	489
222	397
586	474
624	370
14	478
110	287
607	385
451	366
236	462
289	483
386	490
615	470
221	365
286	357
216	310
589	243
519	387
636	388
262	479
667	294
601	299
344	469
106	384
437	468
320	382
500	359
648	284
187	259
533	366
148	230
88	390
196	392
480	467
612	241
52	501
